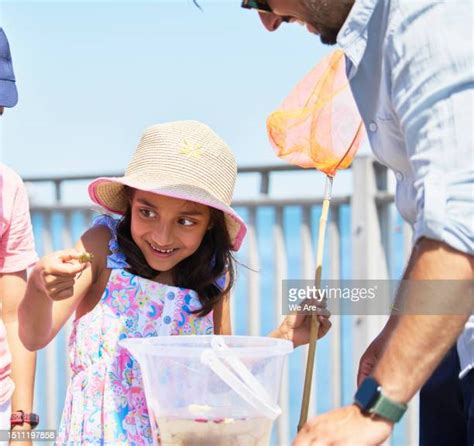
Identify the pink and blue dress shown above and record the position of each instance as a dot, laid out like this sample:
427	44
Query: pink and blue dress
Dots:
105	403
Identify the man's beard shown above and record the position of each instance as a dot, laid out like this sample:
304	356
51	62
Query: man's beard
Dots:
329	35
327	17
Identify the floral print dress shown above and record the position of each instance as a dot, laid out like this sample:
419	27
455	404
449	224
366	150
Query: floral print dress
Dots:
105	403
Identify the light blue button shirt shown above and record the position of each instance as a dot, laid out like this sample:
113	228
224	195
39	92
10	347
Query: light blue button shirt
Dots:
411	69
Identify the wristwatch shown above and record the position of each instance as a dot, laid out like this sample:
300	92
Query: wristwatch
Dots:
19	417
370	399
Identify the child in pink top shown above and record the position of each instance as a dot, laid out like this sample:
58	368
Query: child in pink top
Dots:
164	268
17	253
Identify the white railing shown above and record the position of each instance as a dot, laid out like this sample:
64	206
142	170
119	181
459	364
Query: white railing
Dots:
370	235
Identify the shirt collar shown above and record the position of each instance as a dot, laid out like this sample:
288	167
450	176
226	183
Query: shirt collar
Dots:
352	37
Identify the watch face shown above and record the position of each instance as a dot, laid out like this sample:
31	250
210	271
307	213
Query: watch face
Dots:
367	393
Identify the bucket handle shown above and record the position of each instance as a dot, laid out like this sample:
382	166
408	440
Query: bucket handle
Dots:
218	344
239	378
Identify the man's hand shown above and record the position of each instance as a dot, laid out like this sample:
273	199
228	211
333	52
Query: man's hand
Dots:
297	328
345	426
57	273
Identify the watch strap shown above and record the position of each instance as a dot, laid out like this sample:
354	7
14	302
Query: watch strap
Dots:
18	418
371	400
388	409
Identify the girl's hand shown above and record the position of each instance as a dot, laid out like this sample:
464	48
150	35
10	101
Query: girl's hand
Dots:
297	327
56	273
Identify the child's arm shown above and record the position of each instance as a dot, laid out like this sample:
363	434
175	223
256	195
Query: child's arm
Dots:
56	287
222	321
221	312
12	289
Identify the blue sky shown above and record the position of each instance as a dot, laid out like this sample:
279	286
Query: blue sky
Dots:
93	75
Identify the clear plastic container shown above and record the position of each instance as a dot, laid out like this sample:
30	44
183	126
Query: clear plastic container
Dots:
211	390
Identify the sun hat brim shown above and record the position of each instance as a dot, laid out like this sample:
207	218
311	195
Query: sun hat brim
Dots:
109	193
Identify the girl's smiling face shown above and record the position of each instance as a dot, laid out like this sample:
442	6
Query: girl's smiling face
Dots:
167	230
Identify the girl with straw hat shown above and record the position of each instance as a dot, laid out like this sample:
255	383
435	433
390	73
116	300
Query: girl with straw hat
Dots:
164	268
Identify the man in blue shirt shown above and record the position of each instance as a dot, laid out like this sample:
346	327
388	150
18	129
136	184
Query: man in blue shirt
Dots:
410	67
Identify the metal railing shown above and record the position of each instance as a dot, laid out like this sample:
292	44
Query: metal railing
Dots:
361	223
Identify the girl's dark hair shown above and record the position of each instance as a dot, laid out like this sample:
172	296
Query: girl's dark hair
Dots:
200	271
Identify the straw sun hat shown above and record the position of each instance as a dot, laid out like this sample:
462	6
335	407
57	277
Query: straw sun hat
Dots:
185	160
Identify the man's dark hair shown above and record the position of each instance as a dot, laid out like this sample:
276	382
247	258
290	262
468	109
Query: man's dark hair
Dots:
200	271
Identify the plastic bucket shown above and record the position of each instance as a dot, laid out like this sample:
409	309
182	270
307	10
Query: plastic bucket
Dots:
211	390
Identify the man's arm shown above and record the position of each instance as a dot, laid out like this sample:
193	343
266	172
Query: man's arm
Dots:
419	342
416	344
12	289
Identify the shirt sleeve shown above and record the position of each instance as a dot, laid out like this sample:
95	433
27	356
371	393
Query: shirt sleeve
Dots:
17	250
432	87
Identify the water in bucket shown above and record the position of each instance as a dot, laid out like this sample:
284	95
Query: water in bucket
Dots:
211	390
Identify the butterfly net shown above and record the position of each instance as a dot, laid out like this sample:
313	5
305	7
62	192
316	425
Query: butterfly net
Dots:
318	124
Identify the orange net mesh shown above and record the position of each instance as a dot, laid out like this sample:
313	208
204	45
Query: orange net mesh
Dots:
318	124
